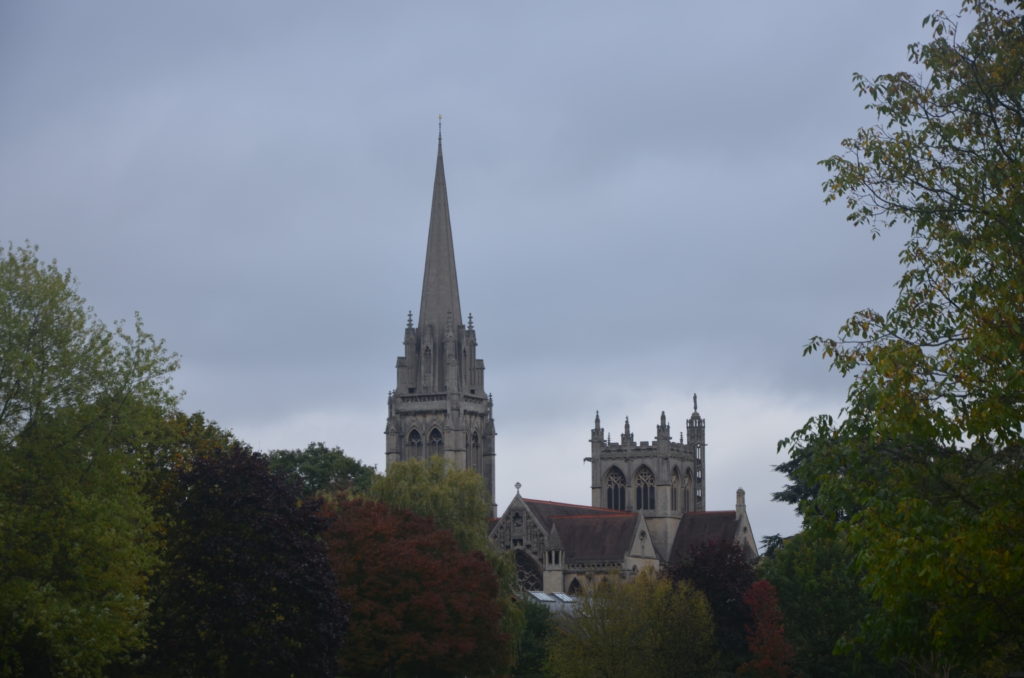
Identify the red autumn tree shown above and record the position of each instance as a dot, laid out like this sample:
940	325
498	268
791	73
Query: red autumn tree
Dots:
418	604
770	651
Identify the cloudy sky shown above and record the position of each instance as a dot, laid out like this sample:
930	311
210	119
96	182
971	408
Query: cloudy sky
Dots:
634	193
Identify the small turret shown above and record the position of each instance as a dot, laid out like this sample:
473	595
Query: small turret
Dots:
627	436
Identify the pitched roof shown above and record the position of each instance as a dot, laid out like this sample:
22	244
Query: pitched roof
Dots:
598	537
546	511
698	527
440	295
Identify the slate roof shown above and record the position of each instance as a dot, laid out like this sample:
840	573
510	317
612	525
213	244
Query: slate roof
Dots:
546	511
600	537
698	527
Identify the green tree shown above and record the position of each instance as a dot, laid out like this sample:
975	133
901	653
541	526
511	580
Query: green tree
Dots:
454	499
927	461
77	403
246	588
644	627
532	653
319	468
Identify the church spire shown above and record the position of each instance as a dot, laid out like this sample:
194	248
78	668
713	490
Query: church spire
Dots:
440	296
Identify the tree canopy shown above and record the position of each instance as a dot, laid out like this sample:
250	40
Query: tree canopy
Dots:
924	469
319	468
246	588
420	605
77	403
644	627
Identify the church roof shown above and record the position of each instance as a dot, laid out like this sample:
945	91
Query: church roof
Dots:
606	537
698	527
440	296
546	511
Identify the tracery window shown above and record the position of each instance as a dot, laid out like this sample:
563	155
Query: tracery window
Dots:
415	445
436	442
674	492
616	486
644	481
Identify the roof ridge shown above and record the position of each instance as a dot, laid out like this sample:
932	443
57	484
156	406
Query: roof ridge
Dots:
612	514
582	506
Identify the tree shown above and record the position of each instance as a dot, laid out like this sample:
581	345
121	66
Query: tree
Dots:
824	606
319	468
77	402
723	573
644	627
419	604
246	588
454	499
927	462
532	652
771	653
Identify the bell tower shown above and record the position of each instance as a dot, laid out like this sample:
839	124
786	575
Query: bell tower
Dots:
439	405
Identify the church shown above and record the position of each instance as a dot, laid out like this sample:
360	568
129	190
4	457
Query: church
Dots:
647	499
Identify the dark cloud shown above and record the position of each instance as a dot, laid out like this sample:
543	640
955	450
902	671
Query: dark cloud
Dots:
634	192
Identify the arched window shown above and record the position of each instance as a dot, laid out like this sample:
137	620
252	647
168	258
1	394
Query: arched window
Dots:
616	484
475	460
674	492
644	481
687	484
528	572
575	588
415	445
436	442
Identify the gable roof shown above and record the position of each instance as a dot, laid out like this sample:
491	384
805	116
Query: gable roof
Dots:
607	536
546	511
695	528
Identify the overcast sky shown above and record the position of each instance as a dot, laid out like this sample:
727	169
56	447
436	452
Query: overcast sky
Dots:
635	200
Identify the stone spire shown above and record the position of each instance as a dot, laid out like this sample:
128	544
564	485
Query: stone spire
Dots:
440	296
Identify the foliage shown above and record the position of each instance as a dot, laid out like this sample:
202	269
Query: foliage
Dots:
77	401
319	468
824	606
247	588
533	643
723	573
454	499
926	468
644	627
420	605
771	654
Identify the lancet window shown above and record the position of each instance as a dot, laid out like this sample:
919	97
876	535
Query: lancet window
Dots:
616	488
436	442
674	491
415	445
644	481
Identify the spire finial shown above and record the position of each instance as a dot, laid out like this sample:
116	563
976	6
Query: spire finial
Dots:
438	128
694	402
408	321
470	321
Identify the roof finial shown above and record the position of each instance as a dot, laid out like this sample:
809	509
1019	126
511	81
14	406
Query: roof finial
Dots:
438	128
518	485
694	402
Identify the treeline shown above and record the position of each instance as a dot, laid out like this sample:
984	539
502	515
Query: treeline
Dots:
140	541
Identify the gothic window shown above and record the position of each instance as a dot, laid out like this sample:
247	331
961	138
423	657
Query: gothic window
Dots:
474	452
574	588
528	572
644	481
616	485
687	484
436	442
415	446
674	493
